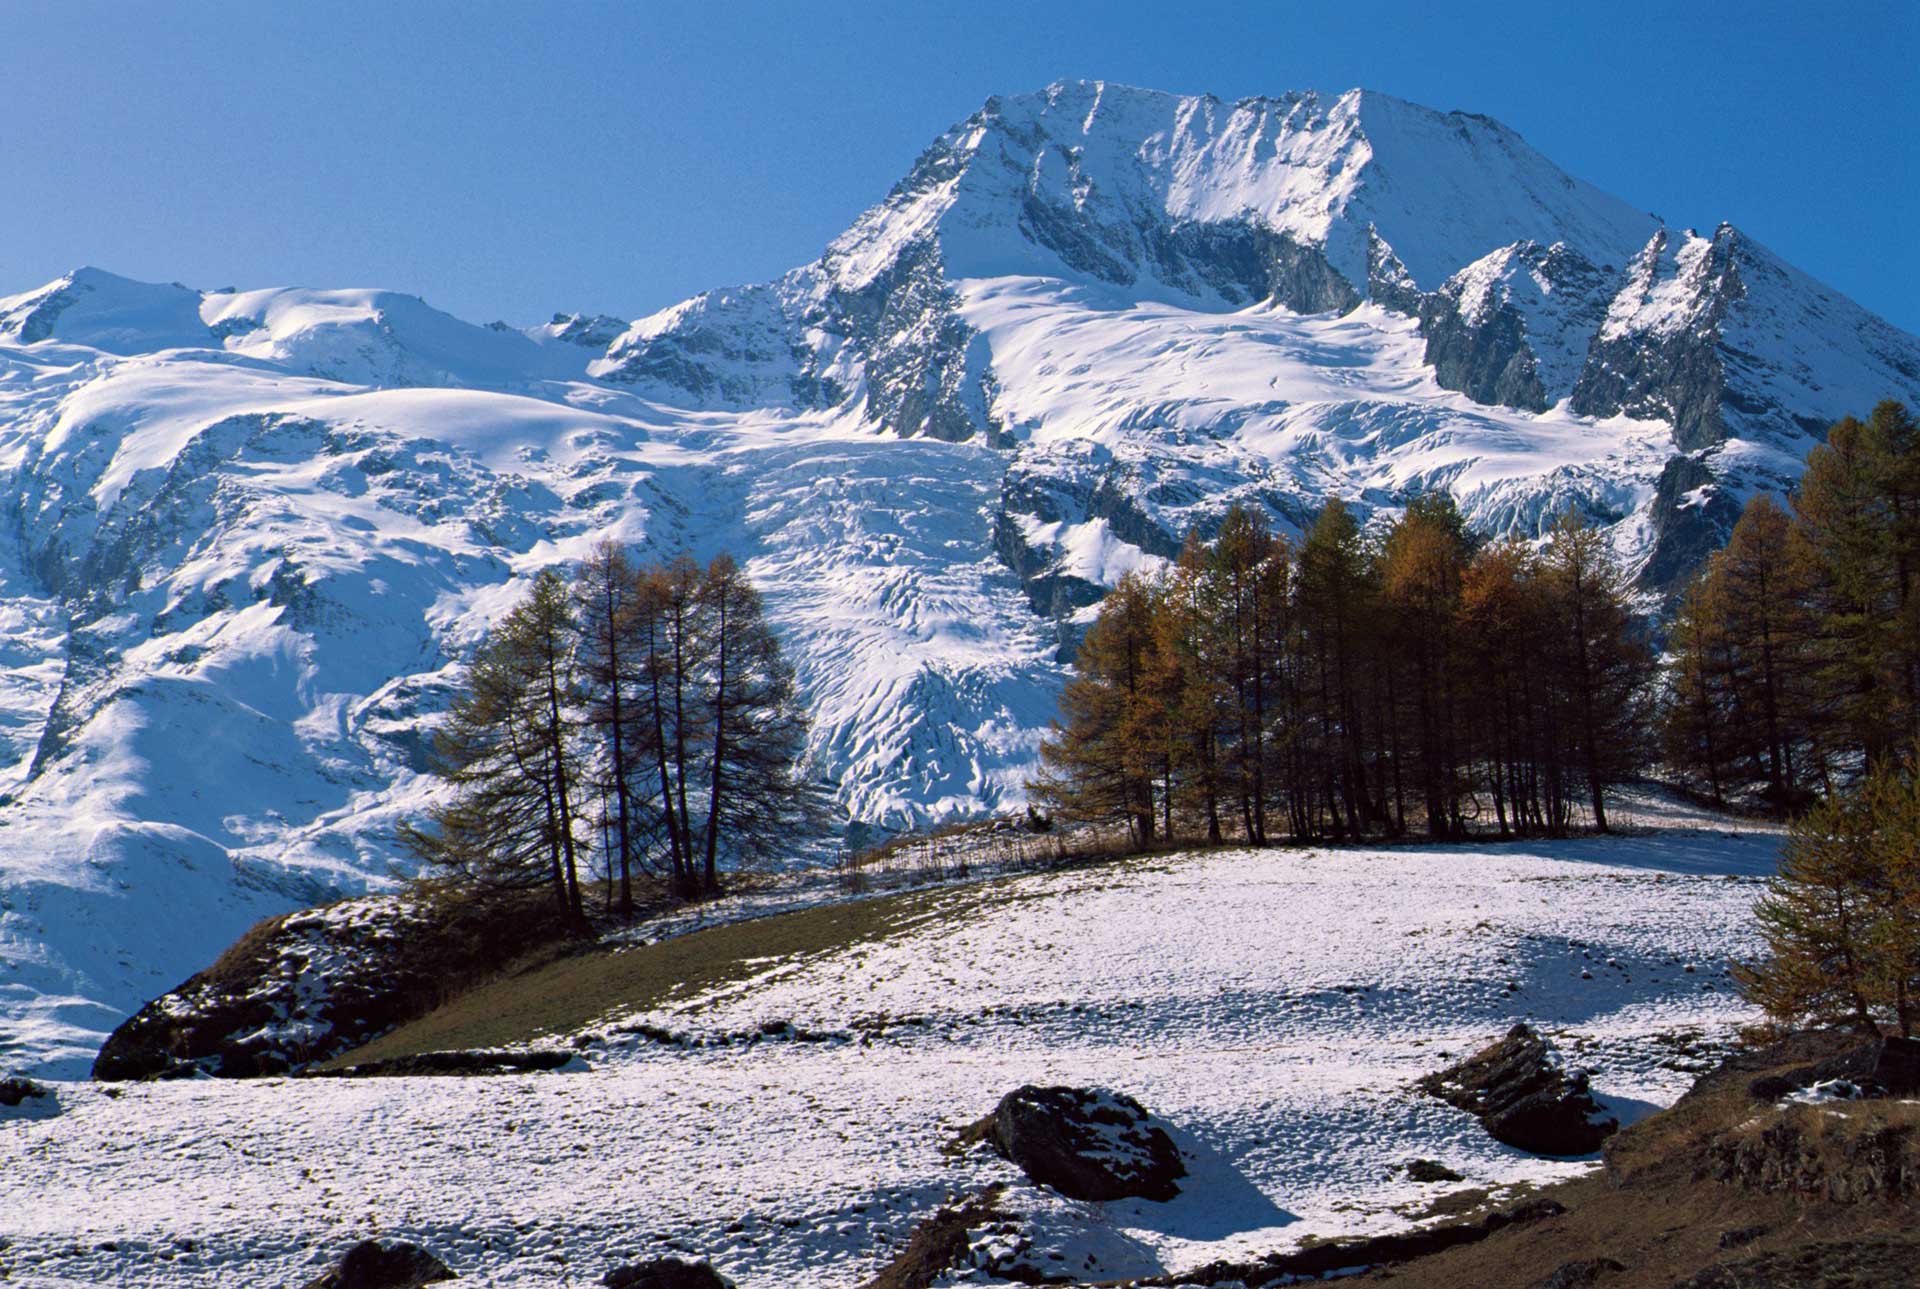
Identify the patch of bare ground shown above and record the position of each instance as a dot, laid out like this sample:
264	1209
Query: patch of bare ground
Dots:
1726	1188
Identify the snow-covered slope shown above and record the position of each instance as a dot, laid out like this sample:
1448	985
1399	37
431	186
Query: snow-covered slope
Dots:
1283	1063
247	536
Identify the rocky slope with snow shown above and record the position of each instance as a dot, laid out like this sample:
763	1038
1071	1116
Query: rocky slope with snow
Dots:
247	536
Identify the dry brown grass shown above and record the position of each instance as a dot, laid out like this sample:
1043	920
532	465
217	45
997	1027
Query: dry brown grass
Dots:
565	995
1659	1211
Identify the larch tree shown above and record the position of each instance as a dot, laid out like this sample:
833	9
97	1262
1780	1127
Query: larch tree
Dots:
756	799
1604	663
1841	918
1423	563
1247	567
609	591
1334	601
1098	762
1859	507
510	750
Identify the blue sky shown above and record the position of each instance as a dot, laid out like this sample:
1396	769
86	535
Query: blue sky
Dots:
508	160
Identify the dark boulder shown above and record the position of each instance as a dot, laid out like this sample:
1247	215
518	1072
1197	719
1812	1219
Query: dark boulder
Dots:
372	1264
944	1242
1428	1171
15	1091
666	1273
1524	1098
1086	1143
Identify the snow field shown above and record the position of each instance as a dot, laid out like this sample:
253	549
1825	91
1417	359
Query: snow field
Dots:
1272	1006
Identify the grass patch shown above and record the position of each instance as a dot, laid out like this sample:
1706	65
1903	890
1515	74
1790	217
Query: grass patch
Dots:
571	994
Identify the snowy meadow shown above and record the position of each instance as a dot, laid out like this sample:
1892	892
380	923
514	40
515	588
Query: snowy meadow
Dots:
1273	1006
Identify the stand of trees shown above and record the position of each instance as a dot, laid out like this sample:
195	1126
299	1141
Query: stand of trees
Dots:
641	716
1796	653
1346	687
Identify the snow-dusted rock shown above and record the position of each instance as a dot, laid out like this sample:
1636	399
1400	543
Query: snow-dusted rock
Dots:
1513	327
1087	1143
292	991
1525	1097
1877	1066
16	1091
374	1264
666	1273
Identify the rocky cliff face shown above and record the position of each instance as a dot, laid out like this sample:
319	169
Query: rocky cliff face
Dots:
1531	291
1514	327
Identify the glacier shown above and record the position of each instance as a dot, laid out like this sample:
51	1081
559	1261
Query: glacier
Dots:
247	536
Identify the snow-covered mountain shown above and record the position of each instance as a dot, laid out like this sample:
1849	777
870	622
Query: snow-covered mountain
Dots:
246	537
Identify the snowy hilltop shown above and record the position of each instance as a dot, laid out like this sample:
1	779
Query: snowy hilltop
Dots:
249	536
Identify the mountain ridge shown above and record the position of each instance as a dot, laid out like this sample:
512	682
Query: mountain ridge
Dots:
246	537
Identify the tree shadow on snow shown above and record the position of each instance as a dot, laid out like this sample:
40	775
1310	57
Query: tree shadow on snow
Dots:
1691	854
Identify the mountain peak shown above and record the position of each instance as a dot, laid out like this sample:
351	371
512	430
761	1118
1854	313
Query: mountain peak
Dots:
1093	179
103	310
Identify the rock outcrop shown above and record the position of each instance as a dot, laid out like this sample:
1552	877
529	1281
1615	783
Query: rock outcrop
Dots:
1086	1143
1513	327
1855	1155
1525	1098
374	1264
294	989
941	1243
14	1092
666	1273
1877	1066
1341	1257
300	989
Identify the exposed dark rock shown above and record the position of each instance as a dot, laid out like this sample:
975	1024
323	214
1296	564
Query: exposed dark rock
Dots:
666	1273
1429	1171
458	1063
1524	1098
1806	1048
1674	374
306	987
590	332
1692	515
1086	1143
1872	1262
1048	498
1484	357
927	371
1851	1158
1580	1274
1512	328
1388	282
1242	262
291	990
942	1243
372	1264
1879	1067
13	1091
